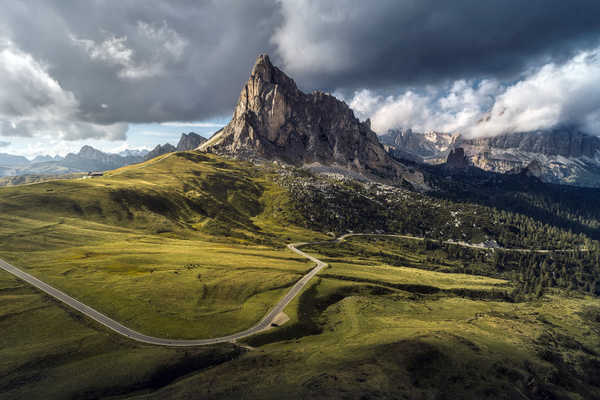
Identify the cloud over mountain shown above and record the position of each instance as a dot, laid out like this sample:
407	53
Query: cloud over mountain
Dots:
93	67
555	94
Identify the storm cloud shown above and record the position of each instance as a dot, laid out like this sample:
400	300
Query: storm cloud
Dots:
566	94
75	69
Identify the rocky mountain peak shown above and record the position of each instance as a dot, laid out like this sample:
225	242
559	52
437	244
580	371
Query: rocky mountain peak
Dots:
273	119
189	141
159	150
90	153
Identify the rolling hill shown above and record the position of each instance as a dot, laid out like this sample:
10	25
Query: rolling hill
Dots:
192	245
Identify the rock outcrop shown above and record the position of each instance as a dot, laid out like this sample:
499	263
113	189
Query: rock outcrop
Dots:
562	155
457	159
189	141
426	145
565	142
160	149
273	119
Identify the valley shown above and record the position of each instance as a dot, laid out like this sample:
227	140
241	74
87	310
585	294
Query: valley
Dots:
293	255
379	318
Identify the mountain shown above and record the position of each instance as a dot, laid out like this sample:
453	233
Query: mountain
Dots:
563	156
46	158
159	150
87	159
189	141
426	145
133	153
273	119
11	160
91	159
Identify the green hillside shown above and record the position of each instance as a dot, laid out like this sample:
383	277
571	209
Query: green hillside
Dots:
183	246
192	245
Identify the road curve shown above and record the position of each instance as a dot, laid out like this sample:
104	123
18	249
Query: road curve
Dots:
140	337
260	326
462	244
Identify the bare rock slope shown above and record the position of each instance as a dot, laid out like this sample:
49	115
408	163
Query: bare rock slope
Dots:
189	141
273	119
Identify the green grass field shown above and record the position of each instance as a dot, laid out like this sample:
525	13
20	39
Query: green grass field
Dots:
48	351
154	247
191	245
352	339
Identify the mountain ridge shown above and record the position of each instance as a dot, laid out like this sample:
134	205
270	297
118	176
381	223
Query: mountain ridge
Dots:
561	155
273	119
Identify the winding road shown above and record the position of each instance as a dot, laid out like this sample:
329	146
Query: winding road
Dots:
121	329
262	325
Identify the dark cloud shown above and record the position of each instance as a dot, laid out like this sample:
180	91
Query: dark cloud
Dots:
354	43
139	61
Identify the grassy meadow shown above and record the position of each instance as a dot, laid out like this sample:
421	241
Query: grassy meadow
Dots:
191	245
358	334
154	245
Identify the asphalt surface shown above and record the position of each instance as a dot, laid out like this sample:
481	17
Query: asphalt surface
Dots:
262	325
462	244
140	337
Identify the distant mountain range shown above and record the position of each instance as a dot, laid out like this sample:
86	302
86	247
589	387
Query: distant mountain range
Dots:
563	156
89	159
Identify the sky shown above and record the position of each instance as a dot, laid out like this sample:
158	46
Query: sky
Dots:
133	73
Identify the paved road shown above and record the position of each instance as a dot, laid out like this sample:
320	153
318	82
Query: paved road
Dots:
140	337
462	244
260	326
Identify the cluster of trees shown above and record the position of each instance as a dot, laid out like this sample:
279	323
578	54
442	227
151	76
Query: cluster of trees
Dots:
341	207
532	216
533	271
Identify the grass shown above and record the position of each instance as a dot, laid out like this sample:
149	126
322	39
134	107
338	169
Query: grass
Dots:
48	351
154	247
191	245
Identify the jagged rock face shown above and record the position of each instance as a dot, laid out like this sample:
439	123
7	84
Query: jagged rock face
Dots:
533	169
159	150
273	119
189	141
457	159
424	145
568	143
565	155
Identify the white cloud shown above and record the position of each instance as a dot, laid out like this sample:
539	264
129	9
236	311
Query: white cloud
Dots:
307	39
449	109
32	103
160	44
554	94
544	98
